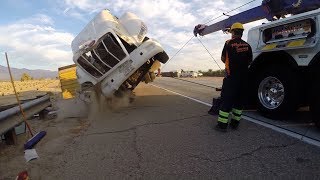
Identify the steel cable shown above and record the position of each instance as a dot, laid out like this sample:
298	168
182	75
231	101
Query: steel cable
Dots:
209	53
199	39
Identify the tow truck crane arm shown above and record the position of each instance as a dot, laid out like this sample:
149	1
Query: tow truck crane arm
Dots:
270	9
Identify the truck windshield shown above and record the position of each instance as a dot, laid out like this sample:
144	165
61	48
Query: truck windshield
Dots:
83	62
107	54
110	51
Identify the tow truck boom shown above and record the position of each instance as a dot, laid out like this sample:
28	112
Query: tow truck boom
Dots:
270	9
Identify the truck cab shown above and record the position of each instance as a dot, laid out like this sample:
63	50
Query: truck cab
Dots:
114	53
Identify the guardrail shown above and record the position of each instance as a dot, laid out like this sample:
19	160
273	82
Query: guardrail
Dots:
12	117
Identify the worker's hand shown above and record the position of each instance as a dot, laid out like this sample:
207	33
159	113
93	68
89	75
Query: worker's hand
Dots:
226	30
198	29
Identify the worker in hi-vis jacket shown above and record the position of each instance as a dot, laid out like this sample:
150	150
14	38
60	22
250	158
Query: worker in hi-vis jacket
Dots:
236	55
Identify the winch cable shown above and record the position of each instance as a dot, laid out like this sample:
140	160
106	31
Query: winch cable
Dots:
223	14
177	52
216	88
209	53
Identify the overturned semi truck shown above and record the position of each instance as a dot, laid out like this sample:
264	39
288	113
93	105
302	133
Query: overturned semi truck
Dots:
113	55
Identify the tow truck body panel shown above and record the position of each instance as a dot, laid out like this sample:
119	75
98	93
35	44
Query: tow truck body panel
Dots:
302	47
270	10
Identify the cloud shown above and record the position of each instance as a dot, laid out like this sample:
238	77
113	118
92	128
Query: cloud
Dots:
35	44
37	19
171	22
85	5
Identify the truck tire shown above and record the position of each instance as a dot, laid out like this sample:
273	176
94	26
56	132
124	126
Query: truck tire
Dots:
315	100
162	57
277	92
86	86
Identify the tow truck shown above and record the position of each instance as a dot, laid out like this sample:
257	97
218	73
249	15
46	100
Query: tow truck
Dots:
113	55
285	72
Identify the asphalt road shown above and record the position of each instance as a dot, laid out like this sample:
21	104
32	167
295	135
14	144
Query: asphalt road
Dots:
165	136
203	89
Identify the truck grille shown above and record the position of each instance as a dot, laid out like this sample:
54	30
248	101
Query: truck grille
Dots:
104	57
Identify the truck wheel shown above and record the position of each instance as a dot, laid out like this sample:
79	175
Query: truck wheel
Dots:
277	92
86	86
315	100
162	57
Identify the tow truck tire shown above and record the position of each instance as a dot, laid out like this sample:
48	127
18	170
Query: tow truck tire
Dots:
277	92
315	100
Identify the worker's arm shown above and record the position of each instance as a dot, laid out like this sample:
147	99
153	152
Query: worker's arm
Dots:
224	52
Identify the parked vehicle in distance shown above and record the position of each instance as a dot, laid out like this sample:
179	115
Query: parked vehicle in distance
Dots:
191	74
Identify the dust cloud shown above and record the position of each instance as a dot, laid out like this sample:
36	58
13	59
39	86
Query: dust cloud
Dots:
92	106
101	107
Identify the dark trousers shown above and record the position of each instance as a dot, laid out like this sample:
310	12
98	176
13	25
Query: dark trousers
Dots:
233	94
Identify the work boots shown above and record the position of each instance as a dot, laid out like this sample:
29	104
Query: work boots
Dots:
234	124
222	121
236	117
222	127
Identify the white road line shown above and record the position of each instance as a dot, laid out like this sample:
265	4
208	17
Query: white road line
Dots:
193	99
296	125
270	126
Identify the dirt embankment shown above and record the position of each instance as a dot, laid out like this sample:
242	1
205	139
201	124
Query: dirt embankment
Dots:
74	118
27	90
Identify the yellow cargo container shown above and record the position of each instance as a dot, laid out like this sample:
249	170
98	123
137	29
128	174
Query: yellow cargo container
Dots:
68	81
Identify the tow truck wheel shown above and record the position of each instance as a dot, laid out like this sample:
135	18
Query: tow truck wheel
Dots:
277	92
315	100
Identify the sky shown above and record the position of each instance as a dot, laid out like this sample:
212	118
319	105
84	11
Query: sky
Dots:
37	34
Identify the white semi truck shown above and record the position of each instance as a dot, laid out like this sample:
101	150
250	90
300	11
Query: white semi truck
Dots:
114	55
285	72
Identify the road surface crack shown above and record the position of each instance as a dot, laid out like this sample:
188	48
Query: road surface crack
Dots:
246	154
140	172
144	125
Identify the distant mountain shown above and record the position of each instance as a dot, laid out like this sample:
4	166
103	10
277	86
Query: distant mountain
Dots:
17	73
